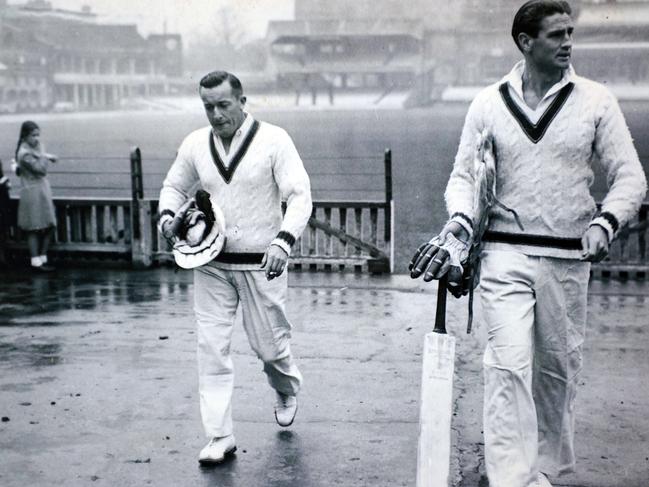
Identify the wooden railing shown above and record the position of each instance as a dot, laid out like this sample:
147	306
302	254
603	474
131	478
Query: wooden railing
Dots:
88	228
341	235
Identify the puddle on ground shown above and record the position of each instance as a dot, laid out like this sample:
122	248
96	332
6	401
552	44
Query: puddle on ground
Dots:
23	353
30	295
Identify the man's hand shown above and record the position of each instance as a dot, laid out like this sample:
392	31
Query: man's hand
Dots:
274	261
594	244
432	260
170	227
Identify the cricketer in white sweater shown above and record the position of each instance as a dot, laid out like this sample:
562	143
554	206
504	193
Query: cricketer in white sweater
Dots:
533	285
544	166
261	169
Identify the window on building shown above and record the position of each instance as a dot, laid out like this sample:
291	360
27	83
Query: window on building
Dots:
401	80
289	49
354	80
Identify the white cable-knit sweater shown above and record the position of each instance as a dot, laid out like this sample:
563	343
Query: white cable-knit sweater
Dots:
547	182
269	172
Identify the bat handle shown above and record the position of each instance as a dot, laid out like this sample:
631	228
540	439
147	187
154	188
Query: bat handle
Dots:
440	312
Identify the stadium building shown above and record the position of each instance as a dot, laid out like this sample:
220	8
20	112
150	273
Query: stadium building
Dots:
427	46
612	42
67	60
365	45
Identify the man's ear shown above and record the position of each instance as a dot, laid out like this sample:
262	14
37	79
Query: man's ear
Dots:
525	41
243	99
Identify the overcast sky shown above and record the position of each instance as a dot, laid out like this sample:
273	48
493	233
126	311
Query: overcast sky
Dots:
191	18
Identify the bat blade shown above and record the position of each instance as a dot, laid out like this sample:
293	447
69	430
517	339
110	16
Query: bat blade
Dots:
434	449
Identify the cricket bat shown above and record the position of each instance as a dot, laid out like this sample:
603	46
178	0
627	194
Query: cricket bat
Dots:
434	449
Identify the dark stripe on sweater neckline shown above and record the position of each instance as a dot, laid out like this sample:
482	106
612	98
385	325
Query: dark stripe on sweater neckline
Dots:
228	172
535	132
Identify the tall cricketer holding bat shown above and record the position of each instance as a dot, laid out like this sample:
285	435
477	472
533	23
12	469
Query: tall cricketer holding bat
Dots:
548	127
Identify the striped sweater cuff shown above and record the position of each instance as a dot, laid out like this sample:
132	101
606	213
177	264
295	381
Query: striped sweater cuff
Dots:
464	221
285	241
608	222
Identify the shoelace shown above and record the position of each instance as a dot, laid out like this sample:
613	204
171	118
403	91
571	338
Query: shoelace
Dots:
283	401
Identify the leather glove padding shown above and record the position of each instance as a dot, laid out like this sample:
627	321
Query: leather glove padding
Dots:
422	258
458	252
435	259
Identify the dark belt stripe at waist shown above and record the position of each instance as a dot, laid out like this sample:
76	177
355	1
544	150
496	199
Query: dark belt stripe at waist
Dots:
239	258
535	240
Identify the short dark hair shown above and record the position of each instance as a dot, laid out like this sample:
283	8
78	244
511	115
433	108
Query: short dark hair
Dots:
215	78
528	18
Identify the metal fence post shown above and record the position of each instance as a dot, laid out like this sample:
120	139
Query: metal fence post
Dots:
387	160
389	207
142	241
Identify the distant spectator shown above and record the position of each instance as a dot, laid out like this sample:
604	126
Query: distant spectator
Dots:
4	214
36	215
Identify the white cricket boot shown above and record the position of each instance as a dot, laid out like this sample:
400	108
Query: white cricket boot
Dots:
217	449
285	409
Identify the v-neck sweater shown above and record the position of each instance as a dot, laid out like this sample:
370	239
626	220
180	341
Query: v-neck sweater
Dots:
260	175
547	181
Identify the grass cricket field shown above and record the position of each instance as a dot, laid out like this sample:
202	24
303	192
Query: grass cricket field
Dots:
342	150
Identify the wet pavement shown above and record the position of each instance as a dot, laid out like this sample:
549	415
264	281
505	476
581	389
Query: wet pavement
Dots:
98	385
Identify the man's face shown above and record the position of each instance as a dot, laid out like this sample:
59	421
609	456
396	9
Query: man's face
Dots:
552	48
224	109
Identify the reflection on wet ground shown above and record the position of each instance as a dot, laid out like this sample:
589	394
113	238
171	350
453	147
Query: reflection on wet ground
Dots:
29	304
626	301
123	344
342	301
25	353
24	298
23	295
281	463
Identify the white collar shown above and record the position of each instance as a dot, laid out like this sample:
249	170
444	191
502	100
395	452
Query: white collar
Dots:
515	79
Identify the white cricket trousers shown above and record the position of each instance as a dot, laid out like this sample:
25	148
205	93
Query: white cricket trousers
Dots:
217	294
535	312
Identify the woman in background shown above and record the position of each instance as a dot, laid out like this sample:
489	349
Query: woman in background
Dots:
36	215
